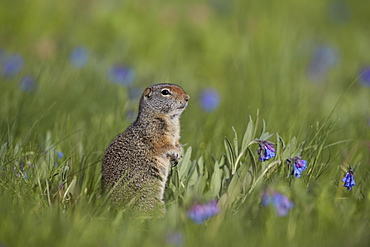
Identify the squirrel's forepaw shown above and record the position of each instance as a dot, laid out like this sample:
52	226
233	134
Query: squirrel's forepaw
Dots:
174	162
174	158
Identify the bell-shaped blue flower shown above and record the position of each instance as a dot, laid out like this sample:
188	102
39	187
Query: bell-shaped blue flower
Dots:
209	99
11	65
122	75
202	212
364	76
266	150
349	179
28	84
79	57
299	165
280	201
60	155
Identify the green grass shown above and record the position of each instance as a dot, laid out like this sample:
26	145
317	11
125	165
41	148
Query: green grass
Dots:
255	53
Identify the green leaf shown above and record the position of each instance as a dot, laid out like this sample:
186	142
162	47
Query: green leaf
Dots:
266	136
184	164
230	154
248	135
235	187
193	176
290	149
236	146
216	179
259	179
200	165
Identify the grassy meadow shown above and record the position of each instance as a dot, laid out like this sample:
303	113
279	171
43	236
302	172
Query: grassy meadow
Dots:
295	73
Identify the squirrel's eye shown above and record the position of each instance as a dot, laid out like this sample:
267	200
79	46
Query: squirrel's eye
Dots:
165	92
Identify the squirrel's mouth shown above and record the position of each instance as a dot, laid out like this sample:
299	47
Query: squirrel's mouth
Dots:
182	107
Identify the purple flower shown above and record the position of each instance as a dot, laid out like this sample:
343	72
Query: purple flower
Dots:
121	75
280	201
349	179
266	150
11	65
79	57
299	165
209	99
60	155
365	76
202	212
323	59
28	83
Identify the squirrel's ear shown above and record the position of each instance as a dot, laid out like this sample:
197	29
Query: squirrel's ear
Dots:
148	92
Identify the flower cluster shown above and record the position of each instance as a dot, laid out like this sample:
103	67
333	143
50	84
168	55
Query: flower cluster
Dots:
280	201
79	57
266	150
299	165
202	212
28	83
209	99
11	65
364	75
349	179
121	75
323	60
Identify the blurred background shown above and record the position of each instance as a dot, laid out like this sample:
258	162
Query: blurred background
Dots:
72	73
81	66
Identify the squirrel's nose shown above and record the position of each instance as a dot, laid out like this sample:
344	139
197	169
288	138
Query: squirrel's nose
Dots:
186	97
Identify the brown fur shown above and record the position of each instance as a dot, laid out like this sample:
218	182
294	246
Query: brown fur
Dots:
136	163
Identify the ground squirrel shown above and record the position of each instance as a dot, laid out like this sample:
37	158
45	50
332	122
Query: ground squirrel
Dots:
136	164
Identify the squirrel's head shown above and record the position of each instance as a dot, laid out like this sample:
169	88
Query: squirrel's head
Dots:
167	99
